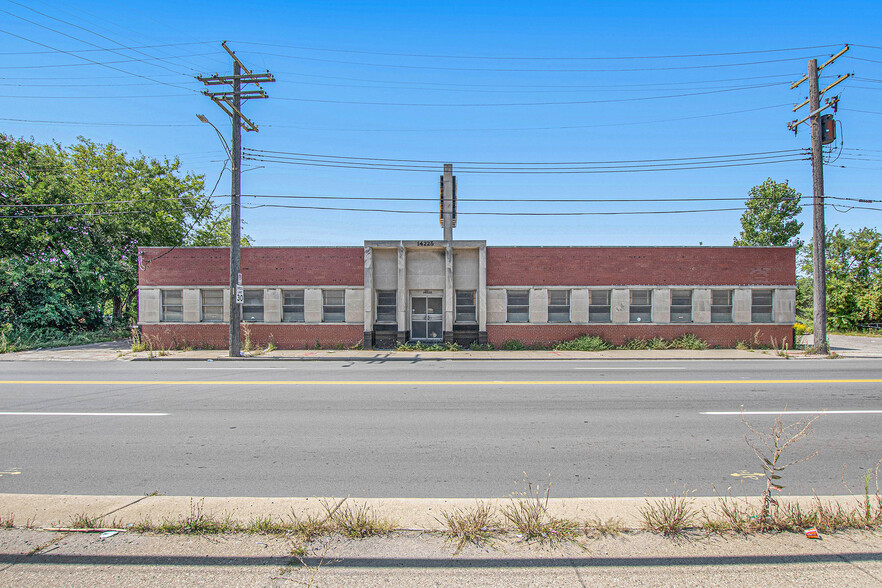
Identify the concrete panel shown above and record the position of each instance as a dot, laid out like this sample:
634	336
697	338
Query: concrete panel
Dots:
192	302
368	290
579	306
149	305
403	302
312	305
701	305
539	305
661	305
385	262
466	268
425	269
226	305
272	305
496	305
482	289
448	289
354	305
784	305
620	301
741	305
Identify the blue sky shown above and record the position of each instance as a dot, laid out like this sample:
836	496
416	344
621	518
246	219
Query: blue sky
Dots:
460	82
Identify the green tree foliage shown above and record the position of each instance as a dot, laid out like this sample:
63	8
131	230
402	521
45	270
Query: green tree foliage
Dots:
71	222
770	218
854	277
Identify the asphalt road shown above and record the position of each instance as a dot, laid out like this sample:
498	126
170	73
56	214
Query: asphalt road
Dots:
427	429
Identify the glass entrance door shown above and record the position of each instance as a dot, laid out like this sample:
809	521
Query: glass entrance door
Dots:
426	318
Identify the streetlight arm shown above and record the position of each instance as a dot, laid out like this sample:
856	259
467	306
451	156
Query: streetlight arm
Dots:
203	118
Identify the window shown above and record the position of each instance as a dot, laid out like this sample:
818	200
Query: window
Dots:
721	306
172	306
292	306
387	306
212	306
558	306
518	307
334	306
465	307
252	307
681	306
761	306
598	306
641	306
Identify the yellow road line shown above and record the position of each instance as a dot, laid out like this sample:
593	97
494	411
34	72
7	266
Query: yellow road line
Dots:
430	382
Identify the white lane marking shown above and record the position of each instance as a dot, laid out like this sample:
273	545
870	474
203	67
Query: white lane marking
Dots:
114	414
677	369
777	412
221	367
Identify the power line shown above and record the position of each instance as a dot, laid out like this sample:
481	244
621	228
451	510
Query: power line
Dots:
107	50
459	163
534	58
90	62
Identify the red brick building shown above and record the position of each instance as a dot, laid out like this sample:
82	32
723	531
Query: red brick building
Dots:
464	291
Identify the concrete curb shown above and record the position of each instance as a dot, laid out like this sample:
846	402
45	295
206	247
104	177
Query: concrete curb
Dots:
46	510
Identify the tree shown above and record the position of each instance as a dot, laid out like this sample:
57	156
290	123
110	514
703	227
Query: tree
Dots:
854	277
770	218
71	222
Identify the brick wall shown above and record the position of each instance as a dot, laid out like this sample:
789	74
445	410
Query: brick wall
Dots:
215	335
614	266
723	335
265	266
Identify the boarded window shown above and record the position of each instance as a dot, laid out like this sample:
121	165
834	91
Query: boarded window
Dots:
681	306
761	306
292	306
518	306
641	306
721	306
212	306
172	306
465	307
333	306
252	306
598	306
387	306
558	306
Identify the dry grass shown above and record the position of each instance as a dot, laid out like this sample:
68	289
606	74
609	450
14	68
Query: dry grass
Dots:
356	521
470	525
671	515
528	515
598	527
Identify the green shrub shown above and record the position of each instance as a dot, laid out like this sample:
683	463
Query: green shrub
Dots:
513	345
658	343
583	343
480	347
635	344
689	341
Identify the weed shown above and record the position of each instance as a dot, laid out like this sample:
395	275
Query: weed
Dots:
266	526
612	527
528	514
480	346
729	515
310	526
469	525
198	523
356	520
583	343
513	345
658	343
8	522
636	343
247	344
742	346
420	346
84	521
671	515
770	448
689	341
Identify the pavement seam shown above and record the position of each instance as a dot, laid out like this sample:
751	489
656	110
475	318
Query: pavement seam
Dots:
127	505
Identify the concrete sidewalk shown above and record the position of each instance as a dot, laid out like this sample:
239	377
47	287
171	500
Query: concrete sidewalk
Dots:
843	345
33	557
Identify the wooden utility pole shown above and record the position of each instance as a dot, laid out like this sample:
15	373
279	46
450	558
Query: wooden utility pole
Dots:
819	233
231	103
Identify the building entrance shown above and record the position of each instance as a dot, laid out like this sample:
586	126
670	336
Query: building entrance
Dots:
426	318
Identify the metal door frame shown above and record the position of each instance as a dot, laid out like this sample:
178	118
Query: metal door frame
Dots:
433	317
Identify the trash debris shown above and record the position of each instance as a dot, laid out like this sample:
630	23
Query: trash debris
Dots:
107	534
812	533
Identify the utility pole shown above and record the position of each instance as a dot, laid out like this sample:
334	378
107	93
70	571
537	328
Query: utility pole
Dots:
230	102
819	233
